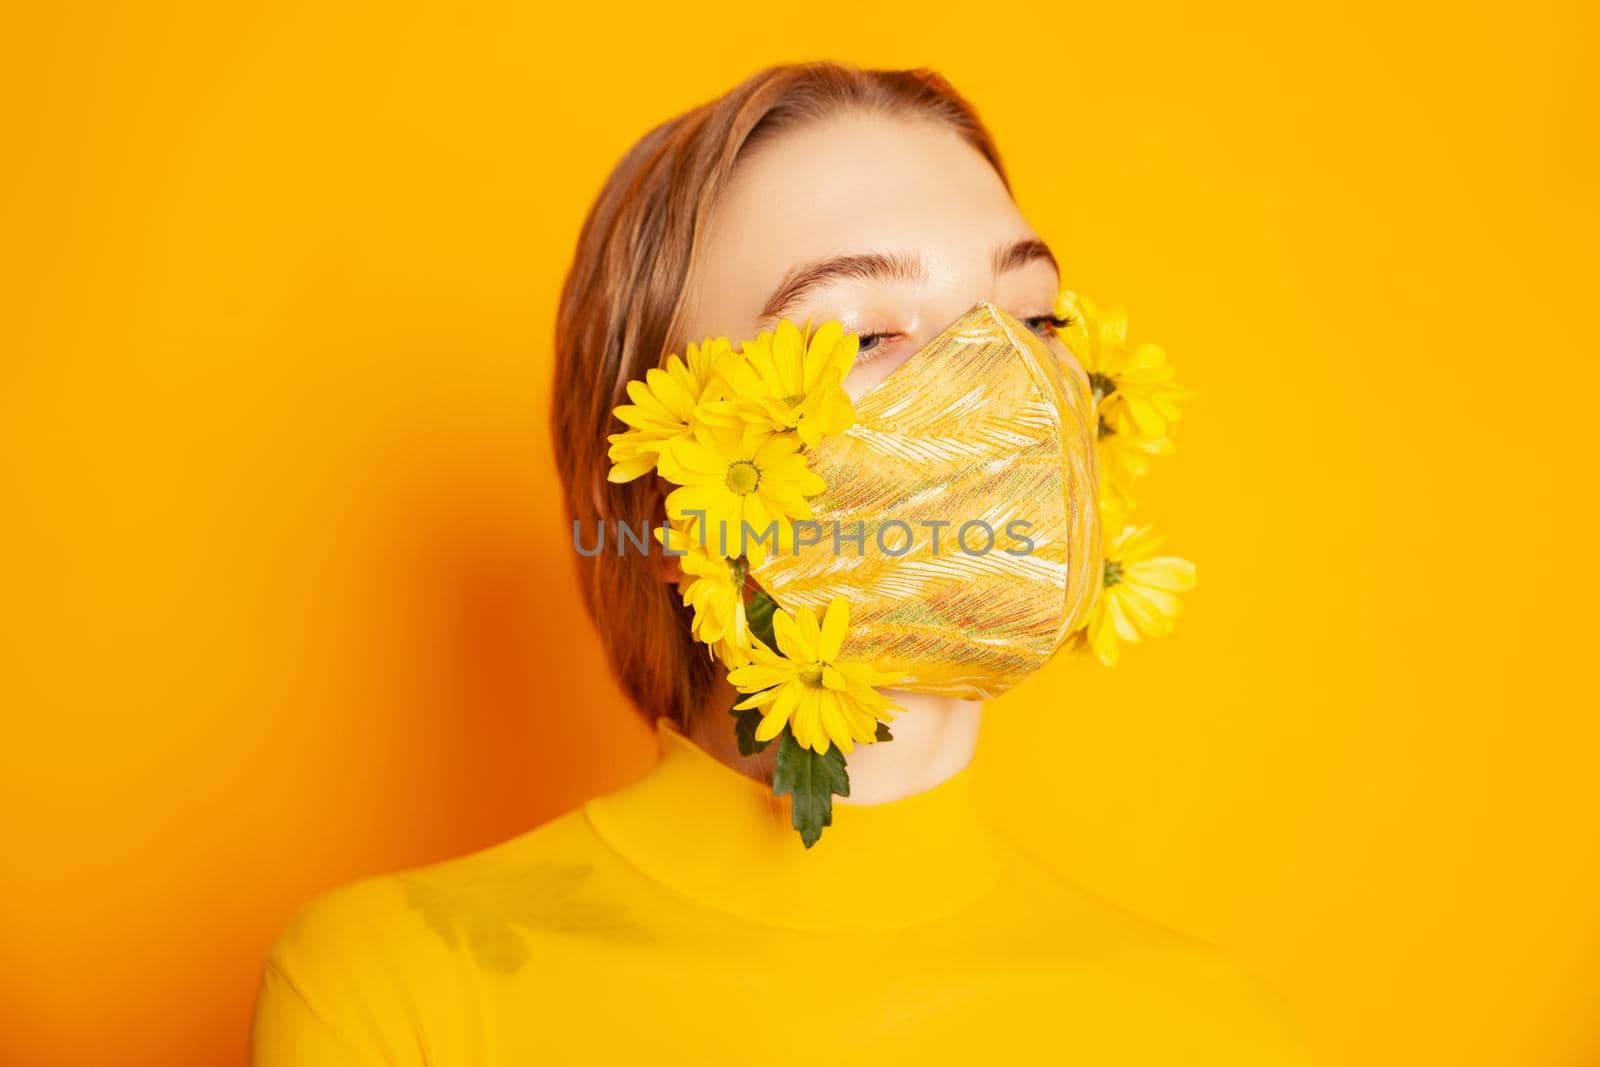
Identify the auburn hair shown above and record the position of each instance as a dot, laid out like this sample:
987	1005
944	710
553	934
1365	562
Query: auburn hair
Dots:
622	311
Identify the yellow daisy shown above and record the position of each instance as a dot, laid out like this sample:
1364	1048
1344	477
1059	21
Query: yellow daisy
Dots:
791	382
824	700
1139	597
1134	388
714	588
1123	459
733	477
663	407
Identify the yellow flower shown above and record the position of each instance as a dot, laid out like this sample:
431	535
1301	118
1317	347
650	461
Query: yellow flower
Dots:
663	408
1134	388
714	588
791	382
730	478
1123	459
1139	597
824	700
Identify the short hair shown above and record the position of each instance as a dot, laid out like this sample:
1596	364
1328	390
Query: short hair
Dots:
622	312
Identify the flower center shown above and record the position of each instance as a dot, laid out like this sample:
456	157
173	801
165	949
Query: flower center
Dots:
1113	571
1102	385
743	477
811	675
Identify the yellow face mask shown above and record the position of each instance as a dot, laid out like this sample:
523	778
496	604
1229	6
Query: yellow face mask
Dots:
959	517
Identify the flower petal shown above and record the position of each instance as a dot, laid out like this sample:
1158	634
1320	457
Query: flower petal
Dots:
629	469
778	715
788	636
835	624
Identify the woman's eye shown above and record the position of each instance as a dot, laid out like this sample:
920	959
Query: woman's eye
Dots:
1046	325
871	341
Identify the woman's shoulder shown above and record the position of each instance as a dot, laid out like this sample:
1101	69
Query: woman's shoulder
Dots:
360	966
392	909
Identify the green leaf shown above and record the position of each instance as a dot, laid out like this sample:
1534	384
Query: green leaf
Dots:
812	781
744	728
759	613
883	732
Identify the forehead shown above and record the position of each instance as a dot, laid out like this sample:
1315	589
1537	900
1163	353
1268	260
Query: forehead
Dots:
855	182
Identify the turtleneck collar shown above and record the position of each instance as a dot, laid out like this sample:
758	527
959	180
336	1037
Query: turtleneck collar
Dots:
721	838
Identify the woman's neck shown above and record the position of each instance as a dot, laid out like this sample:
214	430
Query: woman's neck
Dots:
934	738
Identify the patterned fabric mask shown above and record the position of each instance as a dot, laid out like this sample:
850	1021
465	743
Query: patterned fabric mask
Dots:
959	518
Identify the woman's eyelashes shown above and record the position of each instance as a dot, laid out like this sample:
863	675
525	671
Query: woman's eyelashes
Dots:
872	345
1046	325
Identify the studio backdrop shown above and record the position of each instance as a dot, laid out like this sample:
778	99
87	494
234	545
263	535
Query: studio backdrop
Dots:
289	597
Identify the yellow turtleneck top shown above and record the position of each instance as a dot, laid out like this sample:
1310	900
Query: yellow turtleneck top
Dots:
680	919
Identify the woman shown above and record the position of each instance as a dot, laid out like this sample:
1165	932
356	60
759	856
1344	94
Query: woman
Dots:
682	916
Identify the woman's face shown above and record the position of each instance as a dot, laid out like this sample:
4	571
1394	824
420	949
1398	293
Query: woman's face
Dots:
894	226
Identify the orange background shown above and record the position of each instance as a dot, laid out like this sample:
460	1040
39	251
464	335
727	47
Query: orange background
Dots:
288	598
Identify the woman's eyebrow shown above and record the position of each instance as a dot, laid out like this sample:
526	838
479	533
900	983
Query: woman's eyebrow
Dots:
1021	253
871	266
